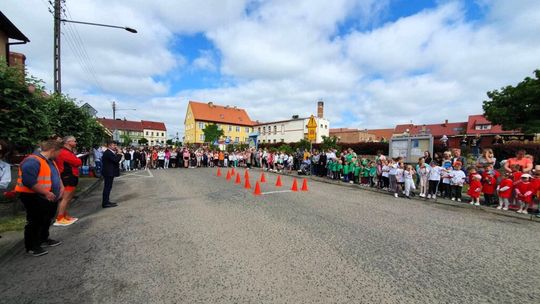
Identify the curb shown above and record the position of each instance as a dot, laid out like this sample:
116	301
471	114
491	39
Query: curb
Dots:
528	217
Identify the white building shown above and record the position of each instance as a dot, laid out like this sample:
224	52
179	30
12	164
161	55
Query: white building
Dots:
155	132
292	130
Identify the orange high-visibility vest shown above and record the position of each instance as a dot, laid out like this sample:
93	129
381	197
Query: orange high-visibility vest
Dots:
44	176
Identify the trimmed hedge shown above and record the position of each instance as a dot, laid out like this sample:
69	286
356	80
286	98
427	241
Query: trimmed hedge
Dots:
501	152
367	148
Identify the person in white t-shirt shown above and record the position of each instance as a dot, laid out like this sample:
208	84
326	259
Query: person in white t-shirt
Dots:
457	181
434	178
399	179
408	174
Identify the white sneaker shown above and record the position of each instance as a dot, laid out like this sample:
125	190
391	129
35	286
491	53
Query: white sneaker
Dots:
453	198
472	203
519	211
524	212
499	207
421	194
428	196
395	195
505	209
477	204
459	200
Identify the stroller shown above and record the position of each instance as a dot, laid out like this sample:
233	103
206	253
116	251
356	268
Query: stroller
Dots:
305	167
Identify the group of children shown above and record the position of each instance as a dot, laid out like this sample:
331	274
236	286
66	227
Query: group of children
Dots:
352	169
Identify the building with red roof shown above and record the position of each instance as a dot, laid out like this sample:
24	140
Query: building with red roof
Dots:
234	122
155	132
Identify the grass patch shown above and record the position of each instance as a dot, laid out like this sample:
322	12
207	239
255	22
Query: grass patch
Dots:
12	223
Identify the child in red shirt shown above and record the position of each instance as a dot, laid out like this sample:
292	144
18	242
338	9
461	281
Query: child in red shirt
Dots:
489	184
524	193
516	174
505	190
475	187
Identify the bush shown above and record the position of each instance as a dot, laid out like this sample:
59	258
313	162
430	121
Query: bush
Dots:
367	148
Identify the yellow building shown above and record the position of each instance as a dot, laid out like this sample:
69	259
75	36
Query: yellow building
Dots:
234	122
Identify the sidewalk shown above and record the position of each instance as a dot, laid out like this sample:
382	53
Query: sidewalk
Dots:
529	217
11	242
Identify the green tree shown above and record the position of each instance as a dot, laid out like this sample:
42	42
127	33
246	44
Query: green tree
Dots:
126	139
329	142
67	118
170	142
516	108
303	144
23	119
143	141
212	133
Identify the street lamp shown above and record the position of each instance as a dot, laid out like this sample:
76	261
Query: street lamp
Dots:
57	23
129	29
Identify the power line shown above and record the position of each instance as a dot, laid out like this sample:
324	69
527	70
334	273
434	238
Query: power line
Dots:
76	43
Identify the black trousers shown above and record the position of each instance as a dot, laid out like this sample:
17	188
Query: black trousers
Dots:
107	187
456	191
433	186
489	199
39	217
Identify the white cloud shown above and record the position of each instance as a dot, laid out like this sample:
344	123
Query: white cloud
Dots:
277	58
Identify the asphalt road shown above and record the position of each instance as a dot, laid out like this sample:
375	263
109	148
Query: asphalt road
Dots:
187	236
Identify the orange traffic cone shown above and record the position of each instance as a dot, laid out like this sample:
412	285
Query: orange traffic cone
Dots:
294	185
228	175
238	180
304	185
263	178
247	185
278	182
246	175
233	172
218	171
257	189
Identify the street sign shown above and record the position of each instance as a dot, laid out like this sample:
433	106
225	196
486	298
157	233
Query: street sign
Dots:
312	129
227	141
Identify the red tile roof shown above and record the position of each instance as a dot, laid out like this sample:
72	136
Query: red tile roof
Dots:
219	114
153	125
381	133
437	130
475	120
121	124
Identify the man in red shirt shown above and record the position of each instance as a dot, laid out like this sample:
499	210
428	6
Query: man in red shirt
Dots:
68	164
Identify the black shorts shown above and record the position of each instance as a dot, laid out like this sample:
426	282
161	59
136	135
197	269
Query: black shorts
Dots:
70	180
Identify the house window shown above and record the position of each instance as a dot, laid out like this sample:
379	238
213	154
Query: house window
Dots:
275	129
247	130
275	141
236	139
326	126
264	130
282	140
482	127
152	133
201	125
201	137
237	129
219	127
230	128
146	132
259	129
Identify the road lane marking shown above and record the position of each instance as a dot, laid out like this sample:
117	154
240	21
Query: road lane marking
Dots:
280	191
137	174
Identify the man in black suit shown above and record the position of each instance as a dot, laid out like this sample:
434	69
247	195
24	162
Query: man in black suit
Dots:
111	169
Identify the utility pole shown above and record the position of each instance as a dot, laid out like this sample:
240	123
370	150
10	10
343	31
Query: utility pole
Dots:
57	34
114	110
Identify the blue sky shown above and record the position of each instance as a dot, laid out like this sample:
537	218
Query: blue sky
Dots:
375	63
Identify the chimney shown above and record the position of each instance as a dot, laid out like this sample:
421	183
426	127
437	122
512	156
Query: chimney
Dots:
211	104
445	122
320	109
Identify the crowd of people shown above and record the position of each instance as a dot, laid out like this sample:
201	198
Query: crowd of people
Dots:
503	184
48	178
